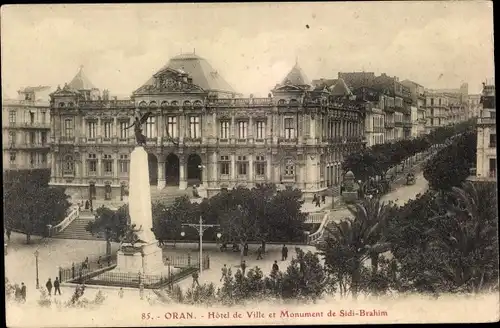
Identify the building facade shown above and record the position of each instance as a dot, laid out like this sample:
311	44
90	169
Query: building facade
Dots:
202	132
475	107
417	92
26	129
486	164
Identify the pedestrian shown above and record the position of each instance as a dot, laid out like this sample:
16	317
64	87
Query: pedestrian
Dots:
23	292
8	234
49	286
87	204
245	249
263	246
259	253
195	278
224	272
323	198
99	264
57	286
318	202
86	262
73	270
243	267
276	268
284	253
109	260
120	292
17	293
314	199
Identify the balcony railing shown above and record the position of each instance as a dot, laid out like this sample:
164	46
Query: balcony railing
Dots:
486	120
25	145
389	125
106	104
29	125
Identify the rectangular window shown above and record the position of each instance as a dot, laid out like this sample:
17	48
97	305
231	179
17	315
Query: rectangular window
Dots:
107	130
68	128
124	163
289	170
44	137
32	118
432	101
150	128
32	159
242	165
242	129
32	138
225	165
12	138
261	129
172	126
92	130
194	127
493	140
92	164
260	166
12	158
493	167
44	158
12	116
224	129
123	130
289	128
108	164
44	118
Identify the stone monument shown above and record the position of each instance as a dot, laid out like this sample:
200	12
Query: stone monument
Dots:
140	252
350	193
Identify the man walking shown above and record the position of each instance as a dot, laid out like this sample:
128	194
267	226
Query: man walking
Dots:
259	253
49	286
276	268
243	267
23	292
195	278
245	249
8	234
56	286
224	273
284	253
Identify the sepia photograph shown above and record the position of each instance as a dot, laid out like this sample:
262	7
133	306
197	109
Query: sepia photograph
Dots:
300	163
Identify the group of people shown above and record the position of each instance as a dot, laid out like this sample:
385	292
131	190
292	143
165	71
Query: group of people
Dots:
20	293
319	199
56	286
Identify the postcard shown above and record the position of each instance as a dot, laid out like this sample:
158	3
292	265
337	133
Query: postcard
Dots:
249	164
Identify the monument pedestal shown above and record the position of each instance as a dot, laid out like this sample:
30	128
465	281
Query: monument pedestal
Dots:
145	258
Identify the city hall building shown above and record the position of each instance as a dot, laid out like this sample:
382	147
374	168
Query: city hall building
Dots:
201	131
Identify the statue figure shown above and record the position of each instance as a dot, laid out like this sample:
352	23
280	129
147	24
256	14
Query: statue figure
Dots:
139	137
131	235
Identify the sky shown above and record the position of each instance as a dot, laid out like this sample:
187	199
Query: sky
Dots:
252	45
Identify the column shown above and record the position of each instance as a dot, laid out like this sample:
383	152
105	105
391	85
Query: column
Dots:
115	127
233	167
214	126
250	127
53	166
159	135
84	132
214	177
99	165
233	128
182	128
250	168
161	174
312	127
115	168
182	173
268	169
205	170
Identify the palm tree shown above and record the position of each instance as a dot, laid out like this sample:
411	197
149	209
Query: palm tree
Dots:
467	235
364	234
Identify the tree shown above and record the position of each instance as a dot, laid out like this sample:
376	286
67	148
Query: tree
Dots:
358	239
451	166
167	221
30	205
114	224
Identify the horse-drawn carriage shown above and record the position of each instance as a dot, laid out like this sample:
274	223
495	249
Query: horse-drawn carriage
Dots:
410	179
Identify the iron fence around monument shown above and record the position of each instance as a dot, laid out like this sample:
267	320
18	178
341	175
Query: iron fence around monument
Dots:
85	268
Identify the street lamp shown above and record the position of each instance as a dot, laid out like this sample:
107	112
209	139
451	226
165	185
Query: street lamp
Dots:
169	278
200	227
36	265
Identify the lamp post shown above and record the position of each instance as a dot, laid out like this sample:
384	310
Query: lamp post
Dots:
36	266
200	227
169	278
201	167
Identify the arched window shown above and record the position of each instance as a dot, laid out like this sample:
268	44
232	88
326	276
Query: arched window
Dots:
294	102
281	102
174	103
61	104
153	104
68	165
70	104
198	104
164	104
143	104
187	103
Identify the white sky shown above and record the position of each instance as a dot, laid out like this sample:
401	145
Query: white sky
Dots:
437	44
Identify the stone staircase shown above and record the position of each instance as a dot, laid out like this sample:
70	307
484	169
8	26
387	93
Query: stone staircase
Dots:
76	229
168	194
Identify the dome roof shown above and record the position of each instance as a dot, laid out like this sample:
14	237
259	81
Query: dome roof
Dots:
81	81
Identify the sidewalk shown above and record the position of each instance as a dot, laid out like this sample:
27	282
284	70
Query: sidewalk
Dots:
310	207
